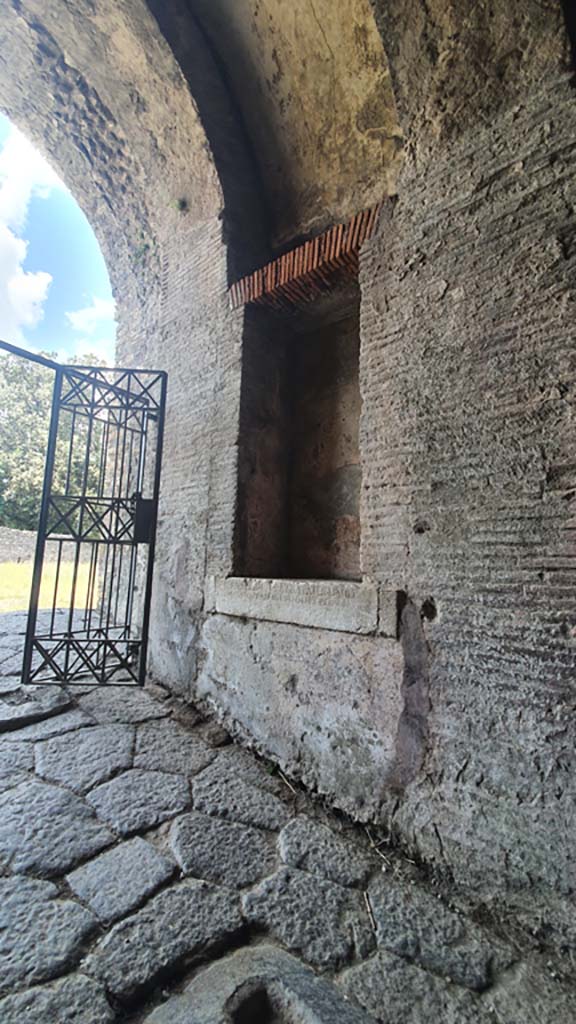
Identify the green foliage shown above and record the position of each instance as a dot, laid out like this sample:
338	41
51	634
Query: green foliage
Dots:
25	404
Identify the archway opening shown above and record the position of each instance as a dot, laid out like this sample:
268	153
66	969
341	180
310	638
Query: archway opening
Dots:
55	300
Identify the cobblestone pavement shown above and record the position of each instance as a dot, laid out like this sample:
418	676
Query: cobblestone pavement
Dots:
153	871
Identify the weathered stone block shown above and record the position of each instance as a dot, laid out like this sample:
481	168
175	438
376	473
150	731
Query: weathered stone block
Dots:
225	796
40	935
28	704
137	800
15	756
220	851
401	993
118	880
412	923
185	921
327	924
82	759
74	1000
121	704
265	983
324	704
54	726
47	830
166	746
324	604
315	848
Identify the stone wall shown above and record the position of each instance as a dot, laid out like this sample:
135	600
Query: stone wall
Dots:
468	380
16	545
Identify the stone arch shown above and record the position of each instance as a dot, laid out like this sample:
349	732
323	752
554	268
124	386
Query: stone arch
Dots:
97	89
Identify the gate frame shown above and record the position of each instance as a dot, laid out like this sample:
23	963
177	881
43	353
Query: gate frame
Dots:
60	370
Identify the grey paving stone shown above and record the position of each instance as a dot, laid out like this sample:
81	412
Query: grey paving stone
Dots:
40	935
121	704
14	755
227	796
261	984
85	758
55	726
74	1000
77	690
8	684
221	851
16	759
47	830
412	923
138	800
238	763
305	844
29	704
397	992
185	921
11	663
13	624
326	923
117	881
527	994
11	781
165	746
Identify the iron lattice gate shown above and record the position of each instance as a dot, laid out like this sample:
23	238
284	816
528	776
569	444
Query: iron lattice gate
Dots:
92	578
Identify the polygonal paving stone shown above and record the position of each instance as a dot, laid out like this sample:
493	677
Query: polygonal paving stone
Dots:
261	984
137	800
186	920
117	881
414	924
121	704
221	851
166	746
11	781
29	704
16	760
74	1000
8	684
40	935
47	830
528	994
15	756
56	726
10	665
230	797
400	993
324	922
235	762
85	758
312	847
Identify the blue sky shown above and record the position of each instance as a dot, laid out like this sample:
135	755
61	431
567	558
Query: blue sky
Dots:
54	288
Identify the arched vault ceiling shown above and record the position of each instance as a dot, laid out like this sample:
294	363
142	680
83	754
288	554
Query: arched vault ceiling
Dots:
97	87
311	81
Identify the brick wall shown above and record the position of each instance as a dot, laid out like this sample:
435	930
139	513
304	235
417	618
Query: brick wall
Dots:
468	374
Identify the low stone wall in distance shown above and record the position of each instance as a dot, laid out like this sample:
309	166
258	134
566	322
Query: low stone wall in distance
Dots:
17	545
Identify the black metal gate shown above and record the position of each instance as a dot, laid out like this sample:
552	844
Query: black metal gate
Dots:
92	578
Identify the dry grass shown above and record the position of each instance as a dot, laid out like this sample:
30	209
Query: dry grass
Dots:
16	580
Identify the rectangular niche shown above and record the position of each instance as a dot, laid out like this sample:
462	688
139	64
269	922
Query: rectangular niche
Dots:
299	474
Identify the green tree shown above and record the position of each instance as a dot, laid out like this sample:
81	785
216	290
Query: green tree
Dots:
25	404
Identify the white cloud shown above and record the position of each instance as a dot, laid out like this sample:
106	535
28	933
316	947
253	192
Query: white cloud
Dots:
89	319
22	294
23	174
